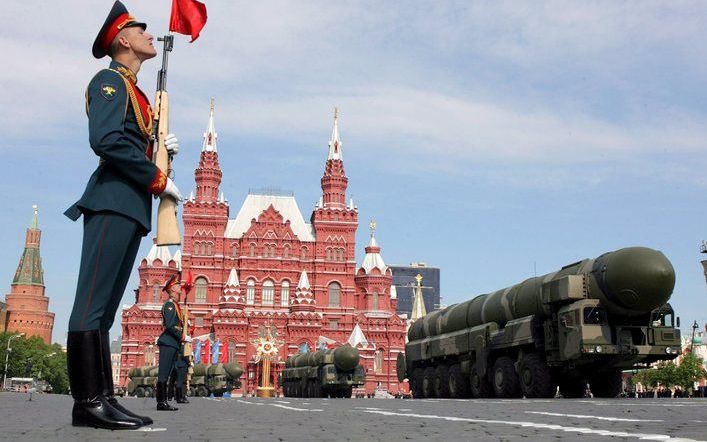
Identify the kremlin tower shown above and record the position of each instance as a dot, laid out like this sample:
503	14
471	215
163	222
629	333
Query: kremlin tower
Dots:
27	306
267	270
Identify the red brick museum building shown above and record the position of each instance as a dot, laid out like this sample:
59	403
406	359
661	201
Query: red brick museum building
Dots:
269	269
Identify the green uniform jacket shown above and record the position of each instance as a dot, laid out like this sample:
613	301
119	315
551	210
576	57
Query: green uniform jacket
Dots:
172	334
123	180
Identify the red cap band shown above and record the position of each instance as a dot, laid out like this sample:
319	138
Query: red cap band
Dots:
114	28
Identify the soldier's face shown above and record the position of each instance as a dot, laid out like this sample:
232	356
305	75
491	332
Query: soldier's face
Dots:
140	42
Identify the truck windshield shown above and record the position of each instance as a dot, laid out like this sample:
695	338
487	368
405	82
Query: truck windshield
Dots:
594	316
662	319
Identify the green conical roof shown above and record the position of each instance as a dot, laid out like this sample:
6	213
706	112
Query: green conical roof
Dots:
29	271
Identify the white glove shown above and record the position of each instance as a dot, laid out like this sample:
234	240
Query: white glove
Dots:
171	143
171	191
187	338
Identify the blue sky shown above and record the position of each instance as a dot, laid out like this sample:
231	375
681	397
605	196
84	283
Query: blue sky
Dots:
486	138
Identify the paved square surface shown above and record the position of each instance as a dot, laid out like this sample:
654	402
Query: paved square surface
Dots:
47	417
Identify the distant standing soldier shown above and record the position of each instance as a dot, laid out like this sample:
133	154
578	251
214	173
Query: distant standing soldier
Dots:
116	208
169	341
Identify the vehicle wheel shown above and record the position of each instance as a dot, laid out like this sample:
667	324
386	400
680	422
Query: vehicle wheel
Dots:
458	384
504	378
140	392
535	378
479	385
303	391
416	383
346	392
201	391
428	380
191	392
149	392
572	386
441	382
606	384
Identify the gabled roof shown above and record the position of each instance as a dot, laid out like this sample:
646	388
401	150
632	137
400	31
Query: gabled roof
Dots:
254	205
357	337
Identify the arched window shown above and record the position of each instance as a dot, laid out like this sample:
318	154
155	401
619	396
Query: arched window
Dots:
156	293
328	254
375	301
334	294
235	251
378	362
286	252
200	285
251	252
268	292
304	253
231	351
250	292
285	295
208	249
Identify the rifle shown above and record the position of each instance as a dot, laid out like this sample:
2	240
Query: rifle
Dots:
167	226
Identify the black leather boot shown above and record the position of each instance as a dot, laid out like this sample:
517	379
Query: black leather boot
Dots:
171	386
85	366
161	395
181	396
108	389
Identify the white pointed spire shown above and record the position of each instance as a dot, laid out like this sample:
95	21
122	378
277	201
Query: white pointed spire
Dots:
177	258
418	303
221	198
335	142
351	204
393	292
373	258
191	196
303	281
321	202
210	135
357	337
232	279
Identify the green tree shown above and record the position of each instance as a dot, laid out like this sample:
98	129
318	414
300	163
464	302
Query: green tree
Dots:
31	357
690	370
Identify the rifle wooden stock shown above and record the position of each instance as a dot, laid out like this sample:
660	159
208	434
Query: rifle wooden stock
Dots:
167	226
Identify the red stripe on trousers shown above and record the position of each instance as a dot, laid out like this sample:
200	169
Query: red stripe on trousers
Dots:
95	271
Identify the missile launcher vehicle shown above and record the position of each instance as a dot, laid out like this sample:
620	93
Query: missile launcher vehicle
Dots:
584	323
206	380
324	373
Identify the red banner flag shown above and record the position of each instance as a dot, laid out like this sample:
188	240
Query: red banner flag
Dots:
188	17
188	282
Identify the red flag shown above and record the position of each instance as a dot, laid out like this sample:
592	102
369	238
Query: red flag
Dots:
206	352
188	282
224	353
188	17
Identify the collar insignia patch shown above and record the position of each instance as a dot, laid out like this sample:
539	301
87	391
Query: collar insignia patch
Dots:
108	91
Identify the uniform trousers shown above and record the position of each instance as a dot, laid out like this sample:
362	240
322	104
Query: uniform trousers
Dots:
110	245
168	355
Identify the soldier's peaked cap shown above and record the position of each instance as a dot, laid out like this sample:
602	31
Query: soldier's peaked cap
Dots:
174	280
118	18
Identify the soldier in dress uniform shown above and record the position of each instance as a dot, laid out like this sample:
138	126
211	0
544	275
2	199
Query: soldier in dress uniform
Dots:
170	341
116	208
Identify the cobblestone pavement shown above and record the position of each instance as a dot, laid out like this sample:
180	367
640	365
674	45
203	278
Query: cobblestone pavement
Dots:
47	417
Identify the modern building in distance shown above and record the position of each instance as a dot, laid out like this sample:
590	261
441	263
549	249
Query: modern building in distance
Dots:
405	283
115	360
27	306
269	273
703	250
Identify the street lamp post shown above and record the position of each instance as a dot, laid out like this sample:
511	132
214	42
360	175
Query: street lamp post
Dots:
7	356
692	343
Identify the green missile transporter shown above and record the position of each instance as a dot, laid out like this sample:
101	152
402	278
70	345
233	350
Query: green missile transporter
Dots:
206	380
584	323
324	373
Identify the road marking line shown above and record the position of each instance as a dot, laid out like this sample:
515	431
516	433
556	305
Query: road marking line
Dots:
282	402
249	403
638	402
585	416
150	429
295	408
369	408
643	436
